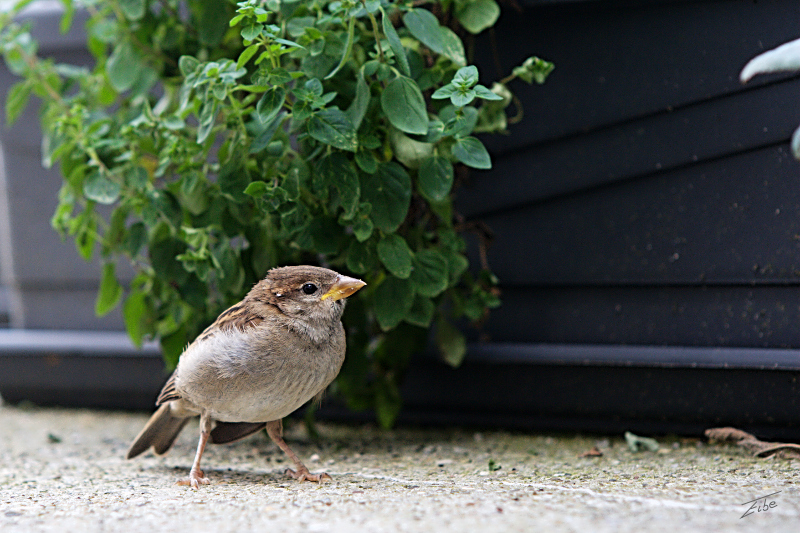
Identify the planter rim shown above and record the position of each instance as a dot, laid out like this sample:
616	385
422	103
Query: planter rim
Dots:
635	356
107	343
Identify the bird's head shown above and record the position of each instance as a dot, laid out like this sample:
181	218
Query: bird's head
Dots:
307	293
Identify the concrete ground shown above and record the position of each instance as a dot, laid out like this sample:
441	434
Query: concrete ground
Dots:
63	470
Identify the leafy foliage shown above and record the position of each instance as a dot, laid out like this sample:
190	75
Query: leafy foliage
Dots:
228	139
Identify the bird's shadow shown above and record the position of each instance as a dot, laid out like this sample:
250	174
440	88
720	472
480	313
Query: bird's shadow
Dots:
233	476
227	475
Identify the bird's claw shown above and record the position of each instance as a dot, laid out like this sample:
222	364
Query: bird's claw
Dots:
195	479
303	474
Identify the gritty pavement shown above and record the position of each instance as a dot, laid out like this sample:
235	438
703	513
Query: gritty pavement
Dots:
63	470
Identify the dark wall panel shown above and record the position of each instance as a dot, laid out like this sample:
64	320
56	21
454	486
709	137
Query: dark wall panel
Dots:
735	220
647	198
619	62
687	136
707	316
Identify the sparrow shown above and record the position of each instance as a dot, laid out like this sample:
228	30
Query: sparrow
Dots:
258	362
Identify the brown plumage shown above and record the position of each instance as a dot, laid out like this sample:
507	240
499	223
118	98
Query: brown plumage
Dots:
260	360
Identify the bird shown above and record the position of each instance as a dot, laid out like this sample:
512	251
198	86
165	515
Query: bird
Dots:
262	359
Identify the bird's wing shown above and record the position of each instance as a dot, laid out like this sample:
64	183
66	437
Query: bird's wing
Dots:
238	317
225	432
168	393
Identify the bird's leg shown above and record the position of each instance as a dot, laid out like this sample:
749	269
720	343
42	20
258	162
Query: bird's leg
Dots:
196	476
275	432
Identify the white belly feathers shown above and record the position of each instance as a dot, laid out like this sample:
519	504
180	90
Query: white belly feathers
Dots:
215	374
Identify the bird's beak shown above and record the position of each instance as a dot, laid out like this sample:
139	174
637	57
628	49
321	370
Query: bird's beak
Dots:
344	287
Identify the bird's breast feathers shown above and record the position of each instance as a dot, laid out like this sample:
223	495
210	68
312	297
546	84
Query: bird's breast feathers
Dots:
257	375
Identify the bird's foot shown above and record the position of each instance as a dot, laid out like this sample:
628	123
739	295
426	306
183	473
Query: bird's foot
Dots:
195	479
303	474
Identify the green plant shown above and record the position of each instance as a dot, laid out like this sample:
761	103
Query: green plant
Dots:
232	138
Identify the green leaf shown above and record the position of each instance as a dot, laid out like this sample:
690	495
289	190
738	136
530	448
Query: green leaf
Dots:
161	205
451	343
14	58
408	151
188	65
233	179
389	193
163	255
172	346
366	161
246	55
534	69
16	101
457	264
290	44
472	153
207	115
135	238
86	235
213	23
110	292
338	172
193	192
332	127
463	97
486	94
133	9
459	122
421	313
326	235
477	15
637	443
435	178
361	257
256	189
453	47
124	66
447	91
393	300
425	27
360	104
270	103
135	315
362	224
347	49
66	18
396	256
263	138
136	178
388	402
101	188
404	106
173	122
430	274
466	76
395	44
236	20
251	31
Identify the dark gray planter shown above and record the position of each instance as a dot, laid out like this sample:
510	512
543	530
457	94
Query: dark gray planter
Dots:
47	284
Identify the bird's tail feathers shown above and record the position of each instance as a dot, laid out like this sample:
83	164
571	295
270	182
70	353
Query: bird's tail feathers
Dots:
159	433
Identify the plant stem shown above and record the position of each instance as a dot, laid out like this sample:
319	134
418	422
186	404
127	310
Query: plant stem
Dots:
375	31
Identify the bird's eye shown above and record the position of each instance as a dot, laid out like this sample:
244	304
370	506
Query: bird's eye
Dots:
309	288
